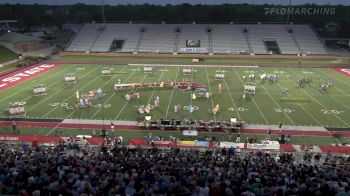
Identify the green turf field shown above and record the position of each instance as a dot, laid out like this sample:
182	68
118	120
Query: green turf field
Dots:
301	106
207	60
6	55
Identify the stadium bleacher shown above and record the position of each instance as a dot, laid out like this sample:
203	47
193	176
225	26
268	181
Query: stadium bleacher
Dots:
159	38
213	38
228	39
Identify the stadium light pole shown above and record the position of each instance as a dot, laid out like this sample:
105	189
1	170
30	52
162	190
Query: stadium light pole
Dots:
103	12
288	11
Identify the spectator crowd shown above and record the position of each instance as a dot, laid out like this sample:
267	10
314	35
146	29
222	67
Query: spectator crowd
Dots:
118	170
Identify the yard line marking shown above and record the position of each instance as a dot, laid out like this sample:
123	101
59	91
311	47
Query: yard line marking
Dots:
322	71
211	97
252	98
77	110
29	97
49	77
322	104
73	93
120	111
233	102
283	113
171	96
338	89
113	92
302	107
46	98
161	75
331	97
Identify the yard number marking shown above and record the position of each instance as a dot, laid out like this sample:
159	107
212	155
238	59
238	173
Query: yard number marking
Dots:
66	104
286	110
241	109
336	112
187	107
20	103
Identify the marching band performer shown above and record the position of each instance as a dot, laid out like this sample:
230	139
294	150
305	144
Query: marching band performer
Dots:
194	96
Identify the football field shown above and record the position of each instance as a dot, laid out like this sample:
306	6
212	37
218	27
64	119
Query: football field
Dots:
305	105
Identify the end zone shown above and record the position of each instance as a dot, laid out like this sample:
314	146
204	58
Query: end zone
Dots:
25	74
343	71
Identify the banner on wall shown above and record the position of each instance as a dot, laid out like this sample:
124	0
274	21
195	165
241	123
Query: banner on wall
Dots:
264	146
231	145
193	50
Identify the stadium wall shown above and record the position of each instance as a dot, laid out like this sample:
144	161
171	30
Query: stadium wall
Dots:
152	55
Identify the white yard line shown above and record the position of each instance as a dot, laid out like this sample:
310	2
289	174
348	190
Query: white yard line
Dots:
120	111
76	110
171	96
58	91
332	97
338	89
29	97
161	75
233	102
338	101
274	100
324	73
112	93
74	92
211	97
262	114
322	104
302	107
56	73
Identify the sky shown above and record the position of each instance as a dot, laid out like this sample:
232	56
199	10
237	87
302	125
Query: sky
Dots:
163	2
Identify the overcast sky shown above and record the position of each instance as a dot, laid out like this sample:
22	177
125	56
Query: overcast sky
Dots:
162	2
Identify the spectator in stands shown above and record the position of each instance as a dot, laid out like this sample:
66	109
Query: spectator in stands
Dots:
111	171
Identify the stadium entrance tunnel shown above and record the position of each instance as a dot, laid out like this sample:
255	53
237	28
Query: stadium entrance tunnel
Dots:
117	45
272	46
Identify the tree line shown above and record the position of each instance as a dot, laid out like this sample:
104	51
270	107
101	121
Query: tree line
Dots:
29	15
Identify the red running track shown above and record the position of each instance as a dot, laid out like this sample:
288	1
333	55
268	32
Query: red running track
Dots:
136	128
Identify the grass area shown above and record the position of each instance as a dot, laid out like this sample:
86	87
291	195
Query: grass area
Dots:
6	55
8	67
166	135
208	60
300	106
